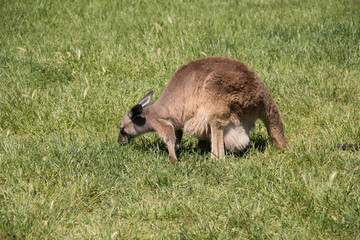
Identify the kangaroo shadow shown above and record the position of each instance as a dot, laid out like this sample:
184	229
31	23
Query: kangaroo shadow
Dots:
257	143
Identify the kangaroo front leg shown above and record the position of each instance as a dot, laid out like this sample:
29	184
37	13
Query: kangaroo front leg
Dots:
167	132
172	154
217	142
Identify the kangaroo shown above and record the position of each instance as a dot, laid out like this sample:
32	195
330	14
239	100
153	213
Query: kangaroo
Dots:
216	99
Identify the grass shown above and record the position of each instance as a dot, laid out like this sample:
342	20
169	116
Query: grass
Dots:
70	69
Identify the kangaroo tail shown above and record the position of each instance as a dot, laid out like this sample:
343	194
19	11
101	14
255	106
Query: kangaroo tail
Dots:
272	120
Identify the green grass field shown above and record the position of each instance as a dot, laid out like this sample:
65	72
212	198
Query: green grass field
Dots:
69	70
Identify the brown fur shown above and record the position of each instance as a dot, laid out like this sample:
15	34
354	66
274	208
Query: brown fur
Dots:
213	98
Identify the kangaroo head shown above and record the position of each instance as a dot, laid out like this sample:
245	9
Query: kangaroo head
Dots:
134	122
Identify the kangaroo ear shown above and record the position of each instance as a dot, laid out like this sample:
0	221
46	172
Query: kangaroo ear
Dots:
145	101
135	111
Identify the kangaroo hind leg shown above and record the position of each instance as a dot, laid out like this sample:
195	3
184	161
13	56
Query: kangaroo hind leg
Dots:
217	141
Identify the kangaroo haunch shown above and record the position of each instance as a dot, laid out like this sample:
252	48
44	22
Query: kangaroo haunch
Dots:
216	99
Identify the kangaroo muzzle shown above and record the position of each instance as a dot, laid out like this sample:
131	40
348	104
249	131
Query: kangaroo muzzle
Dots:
123	138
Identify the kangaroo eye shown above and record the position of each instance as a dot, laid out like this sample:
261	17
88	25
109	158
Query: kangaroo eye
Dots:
122	131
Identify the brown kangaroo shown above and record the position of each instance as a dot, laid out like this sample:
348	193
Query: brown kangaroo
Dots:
217	99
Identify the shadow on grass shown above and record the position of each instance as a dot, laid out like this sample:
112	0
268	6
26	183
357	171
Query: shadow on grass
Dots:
189	146
257	143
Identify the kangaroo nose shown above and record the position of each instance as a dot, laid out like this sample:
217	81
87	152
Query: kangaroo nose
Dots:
121	139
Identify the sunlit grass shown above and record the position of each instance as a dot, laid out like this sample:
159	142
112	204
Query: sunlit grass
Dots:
70	69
